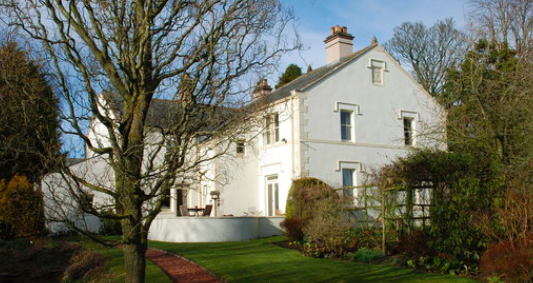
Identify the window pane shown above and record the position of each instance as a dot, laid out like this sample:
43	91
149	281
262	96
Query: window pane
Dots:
270	210
346	133
276	197
347	181
345	118
267	130
347	177
408	131
272	128
240	147
276	127
346	125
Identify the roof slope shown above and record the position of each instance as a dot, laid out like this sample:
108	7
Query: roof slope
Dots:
307	80
162	112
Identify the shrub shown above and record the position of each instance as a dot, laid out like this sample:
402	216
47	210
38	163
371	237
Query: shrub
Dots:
84	264
414	245
462	186
328	231
293	228
366	238
510	261
367	255
21	209
300	207
302	194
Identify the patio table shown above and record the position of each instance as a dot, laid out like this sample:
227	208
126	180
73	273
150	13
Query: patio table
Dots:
196	210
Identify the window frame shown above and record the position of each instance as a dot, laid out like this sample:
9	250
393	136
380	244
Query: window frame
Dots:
272	190
413	117
408	131
347	129
272	129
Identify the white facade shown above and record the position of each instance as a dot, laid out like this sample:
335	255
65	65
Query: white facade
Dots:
310	140
335	124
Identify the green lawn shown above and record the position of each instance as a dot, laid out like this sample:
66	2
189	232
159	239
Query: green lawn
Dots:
116	264
261	261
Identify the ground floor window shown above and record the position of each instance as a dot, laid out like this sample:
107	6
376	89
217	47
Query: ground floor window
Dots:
347	181
166	200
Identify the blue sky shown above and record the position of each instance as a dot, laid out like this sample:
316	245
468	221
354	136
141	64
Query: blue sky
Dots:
364	19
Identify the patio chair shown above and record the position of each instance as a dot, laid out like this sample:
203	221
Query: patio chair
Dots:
184	211
207	210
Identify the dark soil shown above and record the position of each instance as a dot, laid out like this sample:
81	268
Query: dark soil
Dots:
34	261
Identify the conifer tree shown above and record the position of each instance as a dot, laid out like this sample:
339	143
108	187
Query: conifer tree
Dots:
291	73
29	140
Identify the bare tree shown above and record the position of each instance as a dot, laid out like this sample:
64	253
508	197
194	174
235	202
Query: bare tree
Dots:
198	54
504	21
428	52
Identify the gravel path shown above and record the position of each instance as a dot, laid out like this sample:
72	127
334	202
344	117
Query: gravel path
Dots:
179	269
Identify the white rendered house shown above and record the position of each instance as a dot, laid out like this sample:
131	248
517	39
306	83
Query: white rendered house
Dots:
358	112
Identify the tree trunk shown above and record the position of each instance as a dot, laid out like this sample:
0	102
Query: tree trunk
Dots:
135	262
128	185
134	236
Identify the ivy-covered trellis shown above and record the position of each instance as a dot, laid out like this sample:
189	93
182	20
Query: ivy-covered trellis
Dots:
438	193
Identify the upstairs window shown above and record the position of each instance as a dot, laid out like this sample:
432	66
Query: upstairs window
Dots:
272	128
346	125
408	131
377	68
240	147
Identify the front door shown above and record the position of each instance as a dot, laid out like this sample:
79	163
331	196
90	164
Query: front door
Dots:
272	195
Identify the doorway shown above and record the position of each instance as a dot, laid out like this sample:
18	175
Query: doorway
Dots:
272	195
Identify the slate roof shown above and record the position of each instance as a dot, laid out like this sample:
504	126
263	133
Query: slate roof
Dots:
161	111
307	80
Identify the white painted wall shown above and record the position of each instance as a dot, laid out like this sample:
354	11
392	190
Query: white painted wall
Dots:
377	119
310	123
243	178
59	203
167	228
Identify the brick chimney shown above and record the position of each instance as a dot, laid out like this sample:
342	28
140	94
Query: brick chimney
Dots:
338	44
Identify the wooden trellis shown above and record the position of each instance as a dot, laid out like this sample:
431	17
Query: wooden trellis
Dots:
397	209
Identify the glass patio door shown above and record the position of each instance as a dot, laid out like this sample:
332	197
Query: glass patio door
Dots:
272	195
